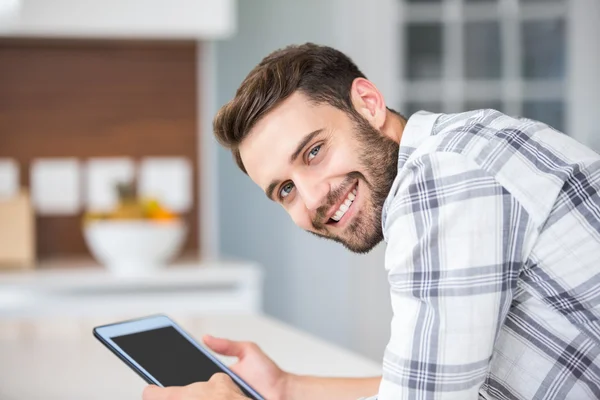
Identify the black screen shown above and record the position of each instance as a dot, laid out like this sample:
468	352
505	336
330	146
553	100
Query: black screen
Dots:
168	356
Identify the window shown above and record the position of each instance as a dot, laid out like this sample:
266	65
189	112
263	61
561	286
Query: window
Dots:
459	55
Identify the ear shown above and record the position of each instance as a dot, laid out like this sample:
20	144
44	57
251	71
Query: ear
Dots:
369	102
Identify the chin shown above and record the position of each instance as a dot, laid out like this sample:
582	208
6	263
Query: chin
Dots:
357	237
361	242
355	246
362	248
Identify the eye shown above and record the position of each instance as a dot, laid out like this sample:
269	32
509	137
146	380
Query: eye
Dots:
286	190
313	152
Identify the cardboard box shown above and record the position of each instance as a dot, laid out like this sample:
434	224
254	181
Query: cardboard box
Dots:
17	232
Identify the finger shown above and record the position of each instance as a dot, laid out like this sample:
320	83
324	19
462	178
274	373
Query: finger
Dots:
219	377
226	347
153	392
222	379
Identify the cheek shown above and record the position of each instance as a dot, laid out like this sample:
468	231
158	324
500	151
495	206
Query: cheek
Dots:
342	161
300	215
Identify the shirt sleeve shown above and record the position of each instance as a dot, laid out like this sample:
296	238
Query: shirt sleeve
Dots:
455	248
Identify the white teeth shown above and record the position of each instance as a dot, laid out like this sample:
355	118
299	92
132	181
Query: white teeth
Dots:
338	215
345	206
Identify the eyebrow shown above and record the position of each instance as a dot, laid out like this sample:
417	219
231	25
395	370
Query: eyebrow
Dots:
271	188
301	145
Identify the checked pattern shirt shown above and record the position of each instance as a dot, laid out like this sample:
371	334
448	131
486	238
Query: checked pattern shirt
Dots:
493	259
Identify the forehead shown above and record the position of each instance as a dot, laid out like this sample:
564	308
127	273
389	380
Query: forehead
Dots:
267	149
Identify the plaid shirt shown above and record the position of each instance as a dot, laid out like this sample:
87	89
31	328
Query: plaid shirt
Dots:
493	257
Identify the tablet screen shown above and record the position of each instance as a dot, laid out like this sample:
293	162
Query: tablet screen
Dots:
168	356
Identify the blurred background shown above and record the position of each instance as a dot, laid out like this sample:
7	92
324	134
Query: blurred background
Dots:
109	172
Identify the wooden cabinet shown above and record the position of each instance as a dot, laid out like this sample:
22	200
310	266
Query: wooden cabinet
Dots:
98	98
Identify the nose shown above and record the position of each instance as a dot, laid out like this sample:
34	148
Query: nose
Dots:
312	190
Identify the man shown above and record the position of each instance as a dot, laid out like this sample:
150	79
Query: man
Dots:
492	227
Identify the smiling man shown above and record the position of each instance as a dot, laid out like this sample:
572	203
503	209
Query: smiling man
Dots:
492	226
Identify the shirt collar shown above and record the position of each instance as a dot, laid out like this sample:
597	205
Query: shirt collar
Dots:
418	128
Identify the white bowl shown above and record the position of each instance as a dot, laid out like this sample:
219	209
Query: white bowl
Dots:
131	247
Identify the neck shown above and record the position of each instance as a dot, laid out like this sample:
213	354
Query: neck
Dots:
394	126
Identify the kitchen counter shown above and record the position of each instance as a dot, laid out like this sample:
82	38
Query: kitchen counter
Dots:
83	289
57	358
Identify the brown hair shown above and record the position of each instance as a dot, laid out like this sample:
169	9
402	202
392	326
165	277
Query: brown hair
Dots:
323	74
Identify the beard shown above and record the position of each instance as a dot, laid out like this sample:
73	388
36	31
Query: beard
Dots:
378	158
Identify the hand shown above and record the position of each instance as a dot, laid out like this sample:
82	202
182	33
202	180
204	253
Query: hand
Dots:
219	387
253	366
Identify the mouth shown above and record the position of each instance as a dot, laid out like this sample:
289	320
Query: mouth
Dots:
343	208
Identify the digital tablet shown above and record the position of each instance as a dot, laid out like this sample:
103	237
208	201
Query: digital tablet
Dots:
163	354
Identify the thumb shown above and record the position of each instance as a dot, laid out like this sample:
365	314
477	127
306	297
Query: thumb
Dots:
153	392
225	347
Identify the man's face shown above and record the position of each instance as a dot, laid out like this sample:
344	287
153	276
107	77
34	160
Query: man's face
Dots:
330	170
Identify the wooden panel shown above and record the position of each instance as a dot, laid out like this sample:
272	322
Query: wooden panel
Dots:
83	98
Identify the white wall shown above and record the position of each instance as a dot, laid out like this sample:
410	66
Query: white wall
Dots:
368	36
583	71
311	283
306	281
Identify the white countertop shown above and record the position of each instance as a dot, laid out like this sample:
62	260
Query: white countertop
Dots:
60	359
82	288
